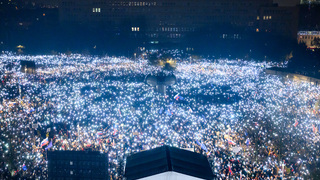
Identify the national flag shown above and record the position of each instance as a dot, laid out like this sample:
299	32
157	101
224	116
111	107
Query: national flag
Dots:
24	167
168	112
296	123
230	171
248	142
177	97
49	146
314	128
44	142
31	110
99	133
198	142
231	142
160	111
115	131
202	146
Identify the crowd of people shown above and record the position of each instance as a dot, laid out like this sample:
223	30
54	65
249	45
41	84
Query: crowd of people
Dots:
250	125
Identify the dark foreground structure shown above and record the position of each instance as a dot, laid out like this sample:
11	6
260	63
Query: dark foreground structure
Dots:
77	165
28	67
168	163
161	81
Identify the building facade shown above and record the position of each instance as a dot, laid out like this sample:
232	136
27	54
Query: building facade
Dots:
309	1
308	38
173	20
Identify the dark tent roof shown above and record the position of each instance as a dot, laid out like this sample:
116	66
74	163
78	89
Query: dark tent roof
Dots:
165	158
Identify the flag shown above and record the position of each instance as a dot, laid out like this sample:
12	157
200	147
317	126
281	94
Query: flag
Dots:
99	133
248	142
314	128
230	171
296	123
24	167
231	142
160	111
44	142
49	146
202	146
177	97
31	110
168	112
198	142
115	131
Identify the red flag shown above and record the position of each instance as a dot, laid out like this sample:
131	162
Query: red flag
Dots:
230	171
296	124
314	128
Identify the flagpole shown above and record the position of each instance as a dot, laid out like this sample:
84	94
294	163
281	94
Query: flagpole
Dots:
282	170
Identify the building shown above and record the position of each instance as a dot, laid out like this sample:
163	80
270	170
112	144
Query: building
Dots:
77	165
287	3
38	3
309	1
308	38
159	21
28	67
168	163
282	21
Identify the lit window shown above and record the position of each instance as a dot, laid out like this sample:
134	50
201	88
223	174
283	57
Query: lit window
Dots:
269	17
258	17
96	10
264	17
257	30
135	29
